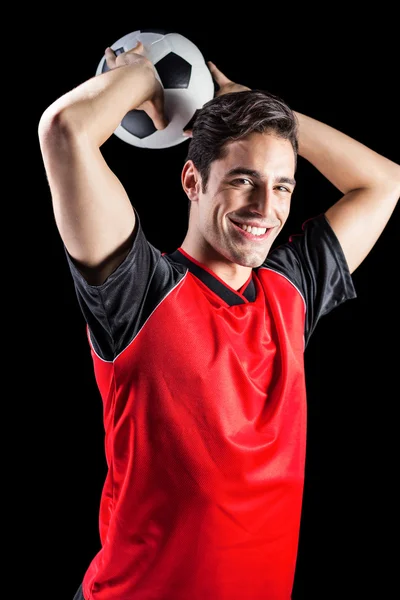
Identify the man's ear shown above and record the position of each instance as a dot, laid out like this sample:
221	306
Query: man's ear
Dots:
191	181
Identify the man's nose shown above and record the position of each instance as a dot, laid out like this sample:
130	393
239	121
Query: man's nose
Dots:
265	201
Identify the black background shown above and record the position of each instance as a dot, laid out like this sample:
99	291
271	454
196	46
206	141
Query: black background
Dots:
343	75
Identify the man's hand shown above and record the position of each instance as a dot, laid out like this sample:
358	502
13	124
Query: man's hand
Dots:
226	86
133	56
154	105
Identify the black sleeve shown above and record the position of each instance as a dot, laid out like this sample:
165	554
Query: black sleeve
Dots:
315	263
117	309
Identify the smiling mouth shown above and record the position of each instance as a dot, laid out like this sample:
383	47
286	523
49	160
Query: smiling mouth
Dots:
249	235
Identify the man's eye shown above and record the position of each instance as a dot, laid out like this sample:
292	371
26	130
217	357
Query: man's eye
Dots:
283	188
241	180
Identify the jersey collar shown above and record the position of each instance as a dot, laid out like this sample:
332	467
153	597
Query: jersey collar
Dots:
232	297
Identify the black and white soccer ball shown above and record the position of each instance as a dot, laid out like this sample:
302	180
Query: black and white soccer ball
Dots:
185	77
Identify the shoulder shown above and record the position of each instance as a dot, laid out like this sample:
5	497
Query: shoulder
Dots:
313	261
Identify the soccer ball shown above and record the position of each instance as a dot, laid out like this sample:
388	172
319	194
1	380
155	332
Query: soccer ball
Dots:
186	79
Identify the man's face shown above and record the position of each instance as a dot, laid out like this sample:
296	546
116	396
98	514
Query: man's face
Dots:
251	187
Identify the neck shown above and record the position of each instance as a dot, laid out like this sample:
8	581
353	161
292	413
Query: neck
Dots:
230	273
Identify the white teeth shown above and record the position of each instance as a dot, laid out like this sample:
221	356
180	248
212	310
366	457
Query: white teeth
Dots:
254	230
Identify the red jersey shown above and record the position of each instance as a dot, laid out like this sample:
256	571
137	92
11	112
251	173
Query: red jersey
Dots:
204	403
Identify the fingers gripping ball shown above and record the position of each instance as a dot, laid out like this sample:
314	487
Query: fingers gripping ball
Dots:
185	77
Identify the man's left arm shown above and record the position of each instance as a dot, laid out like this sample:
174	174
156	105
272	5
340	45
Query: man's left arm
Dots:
369	181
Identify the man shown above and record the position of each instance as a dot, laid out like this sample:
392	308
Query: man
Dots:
198	354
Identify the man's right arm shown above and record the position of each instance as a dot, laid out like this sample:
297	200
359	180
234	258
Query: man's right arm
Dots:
93	213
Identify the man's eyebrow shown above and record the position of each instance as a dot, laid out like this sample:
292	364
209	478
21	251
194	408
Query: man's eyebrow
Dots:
257	175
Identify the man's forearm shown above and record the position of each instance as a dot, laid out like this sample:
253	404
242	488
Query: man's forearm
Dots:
97	106
345	162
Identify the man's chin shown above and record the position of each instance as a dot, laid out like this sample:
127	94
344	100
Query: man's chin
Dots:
251	262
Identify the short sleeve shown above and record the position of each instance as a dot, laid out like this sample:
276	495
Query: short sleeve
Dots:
115	310
314	262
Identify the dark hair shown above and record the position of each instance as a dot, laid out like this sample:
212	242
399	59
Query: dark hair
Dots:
232	116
